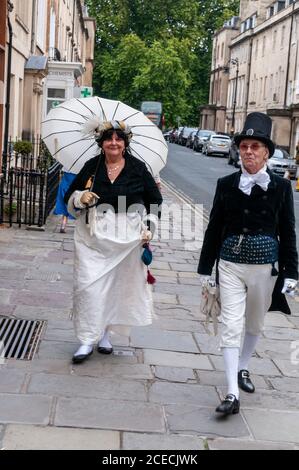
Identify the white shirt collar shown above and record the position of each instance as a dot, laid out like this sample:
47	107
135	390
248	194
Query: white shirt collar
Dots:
248	180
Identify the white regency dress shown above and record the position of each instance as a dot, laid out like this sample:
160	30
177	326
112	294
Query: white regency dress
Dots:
110	279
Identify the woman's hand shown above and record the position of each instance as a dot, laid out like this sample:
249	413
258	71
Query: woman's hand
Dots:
89	198
146	236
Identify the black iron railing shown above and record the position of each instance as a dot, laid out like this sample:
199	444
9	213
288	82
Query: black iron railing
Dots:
29	186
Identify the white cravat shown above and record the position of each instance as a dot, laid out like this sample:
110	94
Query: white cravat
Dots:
247	180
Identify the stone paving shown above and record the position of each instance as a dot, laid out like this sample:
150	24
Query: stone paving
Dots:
160	388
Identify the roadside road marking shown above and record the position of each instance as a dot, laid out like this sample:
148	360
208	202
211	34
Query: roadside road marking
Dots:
184	198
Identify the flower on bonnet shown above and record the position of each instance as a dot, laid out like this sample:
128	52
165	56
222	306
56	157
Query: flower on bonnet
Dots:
96	127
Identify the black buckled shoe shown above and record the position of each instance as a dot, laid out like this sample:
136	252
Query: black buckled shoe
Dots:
229	406
244	381
102	350
82	354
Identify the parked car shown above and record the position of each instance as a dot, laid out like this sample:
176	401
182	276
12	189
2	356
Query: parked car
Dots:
217	144
190	139
172	135
200	138
184	134
166	135
177	134
234	155
281	161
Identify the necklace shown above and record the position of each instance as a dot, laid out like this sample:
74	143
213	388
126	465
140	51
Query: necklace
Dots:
110	170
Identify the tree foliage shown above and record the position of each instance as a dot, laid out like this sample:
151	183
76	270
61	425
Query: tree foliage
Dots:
157	50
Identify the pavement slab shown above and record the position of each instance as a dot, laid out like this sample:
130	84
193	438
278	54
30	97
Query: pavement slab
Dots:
110	370
19	437
25	409
34	298
176	359
257	365
174	374
82	386
289	367
217	378
288	334
175	324
274	349
141	441
11	382
51	366
204	422
167	393
274	425
285	384
268	400
208	344
277	319
153	338
109	414
246	444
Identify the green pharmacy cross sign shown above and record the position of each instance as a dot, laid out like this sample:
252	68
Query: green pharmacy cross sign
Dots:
86	91
56	103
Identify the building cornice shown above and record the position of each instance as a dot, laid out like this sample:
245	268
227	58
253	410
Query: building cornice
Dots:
281	112
267	24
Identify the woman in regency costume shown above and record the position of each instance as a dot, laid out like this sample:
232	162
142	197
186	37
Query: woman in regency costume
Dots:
112	198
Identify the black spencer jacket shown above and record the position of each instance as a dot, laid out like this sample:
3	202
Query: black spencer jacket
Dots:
135	182
268	212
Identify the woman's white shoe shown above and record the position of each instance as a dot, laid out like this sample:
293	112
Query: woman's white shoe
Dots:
84	351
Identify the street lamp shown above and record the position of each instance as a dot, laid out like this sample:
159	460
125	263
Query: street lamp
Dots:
234	62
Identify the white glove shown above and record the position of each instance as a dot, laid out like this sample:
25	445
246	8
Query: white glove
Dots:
204	279
289	287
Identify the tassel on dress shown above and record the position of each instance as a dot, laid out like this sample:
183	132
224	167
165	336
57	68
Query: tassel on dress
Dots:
150	278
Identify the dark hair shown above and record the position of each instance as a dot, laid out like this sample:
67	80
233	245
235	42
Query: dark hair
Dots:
108	134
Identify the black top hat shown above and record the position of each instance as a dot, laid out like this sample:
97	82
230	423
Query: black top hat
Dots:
257	126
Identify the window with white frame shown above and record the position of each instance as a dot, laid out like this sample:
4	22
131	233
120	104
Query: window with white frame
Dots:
41	23
280	5
270	11
55	96
52	34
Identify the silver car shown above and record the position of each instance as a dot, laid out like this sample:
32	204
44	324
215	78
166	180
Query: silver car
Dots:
217	144
199	139
281	162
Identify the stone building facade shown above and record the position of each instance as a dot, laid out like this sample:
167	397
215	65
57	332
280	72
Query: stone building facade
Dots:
262	69
3	7
52	58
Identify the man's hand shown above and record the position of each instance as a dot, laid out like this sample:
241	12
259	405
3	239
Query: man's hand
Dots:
289	287
89	198
204	279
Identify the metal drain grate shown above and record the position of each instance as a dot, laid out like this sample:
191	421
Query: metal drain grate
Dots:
19	338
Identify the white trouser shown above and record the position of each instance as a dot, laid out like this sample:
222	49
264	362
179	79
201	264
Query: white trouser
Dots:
245	291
